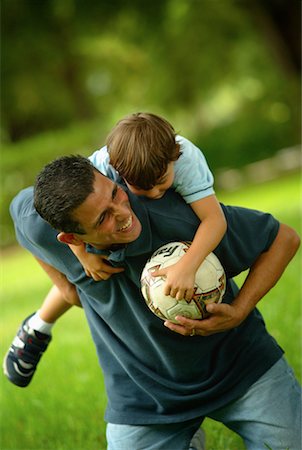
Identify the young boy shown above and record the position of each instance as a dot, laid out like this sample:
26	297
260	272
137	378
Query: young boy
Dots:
145	151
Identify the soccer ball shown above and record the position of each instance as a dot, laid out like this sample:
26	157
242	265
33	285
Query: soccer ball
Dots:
210	282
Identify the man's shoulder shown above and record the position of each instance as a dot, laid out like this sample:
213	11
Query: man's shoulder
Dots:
29	225
22	204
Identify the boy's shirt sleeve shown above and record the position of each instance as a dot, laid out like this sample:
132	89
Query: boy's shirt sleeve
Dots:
193	179
101	161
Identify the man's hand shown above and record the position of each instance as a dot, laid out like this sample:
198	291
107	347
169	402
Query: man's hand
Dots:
223	317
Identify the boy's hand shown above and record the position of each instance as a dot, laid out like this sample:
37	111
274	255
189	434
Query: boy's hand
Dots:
95	266
179	282
98	268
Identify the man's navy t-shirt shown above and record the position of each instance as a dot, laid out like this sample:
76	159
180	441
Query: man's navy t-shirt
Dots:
153	375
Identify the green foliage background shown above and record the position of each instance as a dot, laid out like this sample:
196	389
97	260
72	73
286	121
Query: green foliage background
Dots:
226	73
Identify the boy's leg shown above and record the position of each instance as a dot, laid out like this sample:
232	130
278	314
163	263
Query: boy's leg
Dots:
53	307
179	436
268	416
32	339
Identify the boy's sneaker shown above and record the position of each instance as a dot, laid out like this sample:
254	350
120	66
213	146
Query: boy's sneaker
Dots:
198	441
21	360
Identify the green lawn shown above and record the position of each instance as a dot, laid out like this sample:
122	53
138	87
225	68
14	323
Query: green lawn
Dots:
63	407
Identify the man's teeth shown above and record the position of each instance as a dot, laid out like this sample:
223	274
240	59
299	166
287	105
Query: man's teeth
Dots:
127	224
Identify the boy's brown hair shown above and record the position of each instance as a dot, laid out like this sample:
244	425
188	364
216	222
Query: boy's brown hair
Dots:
141	146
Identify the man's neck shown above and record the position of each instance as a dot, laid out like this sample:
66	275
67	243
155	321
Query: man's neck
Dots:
116	247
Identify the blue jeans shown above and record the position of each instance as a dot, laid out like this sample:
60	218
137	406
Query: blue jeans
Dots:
267	416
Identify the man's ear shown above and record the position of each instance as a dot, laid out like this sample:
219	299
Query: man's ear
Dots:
69	238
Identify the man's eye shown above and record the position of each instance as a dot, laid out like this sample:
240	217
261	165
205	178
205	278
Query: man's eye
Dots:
102	218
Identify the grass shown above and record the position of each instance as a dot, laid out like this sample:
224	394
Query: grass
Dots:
63	407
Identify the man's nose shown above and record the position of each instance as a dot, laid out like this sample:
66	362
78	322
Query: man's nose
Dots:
120	211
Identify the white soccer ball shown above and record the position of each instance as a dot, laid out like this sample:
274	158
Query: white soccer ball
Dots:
210	283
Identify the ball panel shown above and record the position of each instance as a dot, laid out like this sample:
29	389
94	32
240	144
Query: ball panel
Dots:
183	308
149	302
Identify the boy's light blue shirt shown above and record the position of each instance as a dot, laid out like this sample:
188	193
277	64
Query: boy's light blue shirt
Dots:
193	179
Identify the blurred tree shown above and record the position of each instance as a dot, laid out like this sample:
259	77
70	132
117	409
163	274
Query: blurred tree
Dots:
226	73
44	72
42	77
279	21
201	63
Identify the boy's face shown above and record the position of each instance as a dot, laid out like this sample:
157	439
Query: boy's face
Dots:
159	189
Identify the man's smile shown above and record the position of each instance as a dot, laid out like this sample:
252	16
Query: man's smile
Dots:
126	225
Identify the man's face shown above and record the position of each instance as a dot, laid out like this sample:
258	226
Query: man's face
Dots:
106	216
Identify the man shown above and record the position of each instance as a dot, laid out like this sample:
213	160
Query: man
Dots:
160	383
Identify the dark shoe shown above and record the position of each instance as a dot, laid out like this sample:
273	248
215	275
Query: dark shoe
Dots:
22	358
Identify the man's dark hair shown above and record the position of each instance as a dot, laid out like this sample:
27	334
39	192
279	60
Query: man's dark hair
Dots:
61	187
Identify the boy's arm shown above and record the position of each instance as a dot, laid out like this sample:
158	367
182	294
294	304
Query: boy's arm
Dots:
181	276
95	266
263	275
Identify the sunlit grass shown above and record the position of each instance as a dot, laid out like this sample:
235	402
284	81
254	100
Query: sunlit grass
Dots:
281	307
63	407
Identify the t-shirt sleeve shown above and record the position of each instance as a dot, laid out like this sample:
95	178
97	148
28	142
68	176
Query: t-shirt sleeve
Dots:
193	179
249	233
36	235
101	161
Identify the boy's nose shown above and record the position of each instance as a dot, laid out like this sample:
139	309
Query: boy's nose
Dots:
155	192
